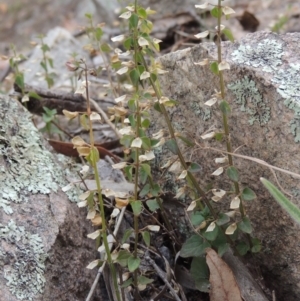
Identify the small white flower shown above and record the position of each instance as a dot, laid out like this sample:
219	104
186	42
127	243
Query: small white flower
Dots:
202	35
118	38
137	142
122	70
202	6
144	75
125	15
218	171
143	42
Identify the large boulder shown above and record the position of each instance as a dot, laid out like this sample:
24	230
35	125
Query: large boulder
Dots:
44	250
263	90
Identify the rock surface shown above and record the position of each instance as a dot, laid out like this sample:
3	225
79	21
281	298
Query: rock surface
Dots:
263	90
43	246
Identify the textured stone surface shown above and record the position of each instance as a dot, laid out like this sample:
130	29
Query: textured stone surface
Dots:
43	244
263	90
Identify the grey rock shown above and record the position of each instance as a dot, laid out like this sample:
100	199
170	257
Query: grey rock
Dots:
263	90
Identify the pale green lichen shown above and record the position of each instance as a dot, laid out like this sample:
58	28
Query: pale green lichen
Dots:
28	168
25	271
250	100
288	86
203	113
266	55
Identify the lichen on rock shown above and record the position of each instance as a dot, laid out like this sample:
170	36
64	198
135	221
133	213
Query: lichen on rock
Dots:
250	100
288	86
25	271
266	55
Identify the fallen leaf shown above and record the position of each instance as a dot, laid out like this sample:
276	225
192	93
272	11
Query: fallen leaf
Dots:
222	282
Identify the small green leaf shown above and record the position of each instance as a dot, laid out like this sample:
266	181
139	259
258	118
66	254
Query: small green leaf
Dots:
216	12
200	273
225	108
214	68
146	238
142	13
242	248
211	235
134	76
133	263
131	105
222	249
153	76
219	136
105	47
144	280
145	172
126	140
127	283
146	143
194	167
172	146
34	95
128	43
196	218
155	190
126	235
122	258
145	190
98	33
128	172
194	246
256	245
245	225
152	204
248	194
133	20
186	141
136	207
227	32
20	80
145	124
222	219
232	173
45	48
285	203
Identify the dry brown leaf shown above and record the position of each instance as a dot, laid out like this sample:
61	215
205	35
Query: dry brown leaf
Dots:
223	284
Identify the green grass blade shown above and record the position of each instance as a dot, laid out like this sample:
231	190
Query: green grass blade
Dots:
285	203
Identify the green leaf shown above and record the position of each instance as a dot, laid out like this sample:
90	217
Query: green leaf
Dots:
131	105
105	47
146	238
98	33
197	218
94	154
126	140
152	204
172	146
242	248
20	80
50	61
232	173
132	120
127	283
223	219
194	246
256	245
219	136
134	76
145	190
136	207
126	235
228	34
248	194
194	167
186	141
285	203
155	190
153	76
200	273
245	225
34	95
214	68
144	280
212	235
145	124
216	12
146	143
222	249
133	20
225	108
145	172
128	43
122	258
142	13
128	172
133	263
45	48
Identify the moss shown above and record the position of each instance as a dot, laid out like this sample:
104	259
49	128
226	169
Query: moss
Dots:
25	271
288	86
265	55
250	100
